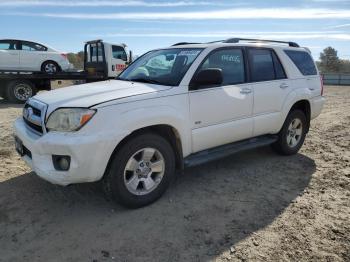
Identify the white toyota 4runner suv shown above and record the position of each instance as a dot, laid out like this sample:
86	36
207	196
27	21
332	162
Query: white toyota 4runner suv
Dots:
173	107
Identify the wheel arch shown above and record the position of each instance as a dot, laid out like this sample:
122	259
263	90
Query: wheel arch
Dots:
297	99
305	106
52	61
170	133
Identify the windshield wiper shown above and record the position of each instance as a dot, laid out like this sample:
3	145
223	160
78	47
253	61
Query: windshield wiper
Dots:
146	80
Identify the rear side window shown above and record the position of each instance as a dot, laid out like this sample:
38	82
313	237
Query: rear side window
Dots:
303	62
230	61
30	46
279	71
264	65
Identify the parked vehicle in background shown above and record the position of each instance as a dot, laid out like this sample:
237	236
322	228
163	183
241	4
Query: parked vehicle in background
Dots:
28	55
102	61
173	107
114	57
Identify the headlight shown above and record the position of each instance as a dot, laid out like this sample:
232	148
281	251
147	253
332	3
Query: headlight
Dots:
69	119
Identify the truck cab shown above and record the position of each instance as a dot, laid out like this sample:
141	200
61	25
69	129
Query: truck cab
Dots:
106	58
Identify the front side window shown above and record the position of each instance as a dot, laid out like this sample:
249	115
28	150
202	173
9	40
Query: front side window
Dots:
29	46
8	45
231	63
303	62
164	67
119	53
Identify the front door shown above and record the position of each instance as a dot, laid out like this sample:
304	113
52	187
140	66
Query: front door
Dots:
222	114
9	55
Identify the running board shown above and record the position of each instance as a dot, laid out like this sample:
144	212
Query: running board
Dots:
228	149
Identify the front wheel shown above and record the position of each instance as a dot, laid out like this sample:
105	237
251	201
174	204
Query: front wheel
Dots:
141	171
292	135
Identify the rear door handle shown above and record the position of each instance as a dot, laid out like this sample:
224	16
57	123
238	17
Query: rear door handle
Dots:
245	91
283	85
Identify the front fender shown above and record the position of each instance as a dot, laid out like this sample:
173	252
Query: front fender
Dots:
146	116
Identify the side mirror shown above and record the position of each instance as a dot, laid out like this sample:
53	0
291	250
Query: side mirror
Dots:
207	77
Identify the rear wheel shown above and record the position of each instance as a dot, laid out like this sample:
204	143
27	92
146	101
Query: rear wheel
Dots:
19	91
292	135
50	67
141	171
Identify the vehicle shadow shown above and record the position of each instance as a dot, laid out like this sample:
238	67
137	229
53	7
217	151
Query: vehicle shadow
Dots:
208	209
6	104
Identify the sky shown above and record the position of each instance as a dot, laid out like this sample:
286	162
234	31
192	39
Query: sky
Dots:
148	24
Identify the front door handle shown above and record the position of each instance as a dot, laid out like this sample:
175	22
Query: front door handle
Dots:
283	85
245	91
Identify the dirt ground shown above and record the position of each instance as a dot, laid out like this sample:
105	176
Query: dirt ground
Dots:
253	206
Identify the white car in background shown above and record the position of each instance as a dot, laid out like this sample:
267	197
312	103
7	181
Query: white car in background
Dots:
31	56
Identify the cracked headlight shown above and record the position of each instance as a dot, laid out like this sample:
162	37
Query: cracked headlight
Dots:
69	119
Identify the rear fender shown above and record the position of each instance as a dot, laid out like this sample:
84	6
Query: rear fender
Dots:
293	97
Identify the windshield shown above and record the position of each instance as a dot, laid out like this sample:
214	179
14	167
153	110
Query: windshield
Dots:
163	67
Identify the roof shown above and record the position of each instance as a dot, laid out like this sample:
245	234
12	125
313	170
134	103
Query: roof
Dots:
241	42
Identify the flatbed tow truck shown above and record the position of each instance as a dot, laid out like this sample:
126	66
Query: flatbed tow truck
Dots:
102	61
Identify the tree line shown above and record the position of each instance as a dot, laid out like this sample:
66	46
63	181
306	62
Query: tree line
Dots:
329	62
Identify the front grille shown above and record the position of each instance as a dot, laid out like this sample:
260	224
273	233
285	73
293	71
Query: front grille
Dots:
33	114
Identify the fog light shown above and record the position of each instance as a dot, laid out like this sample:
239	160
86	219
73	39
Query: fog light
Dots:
61	163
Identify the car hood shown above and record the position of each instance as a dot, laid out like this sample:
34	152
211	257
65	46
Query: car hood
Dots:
87	95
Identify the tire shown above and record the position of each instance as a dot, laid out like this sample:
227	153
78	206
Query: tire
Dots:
128	181
295	126
50	67
18	91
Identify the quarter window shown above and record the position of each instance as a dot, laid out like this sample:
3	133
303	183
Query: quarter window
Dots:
264	65
29	46
119	53
230	61
303	62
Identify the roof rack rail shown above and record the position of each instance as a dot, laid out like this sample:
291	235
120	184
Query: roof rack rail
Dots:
184	43
236	40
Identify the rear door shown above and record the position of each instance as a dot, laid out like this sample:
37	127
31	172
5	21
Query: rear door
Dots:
32	55
118	61
222	114
271	87
9	55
